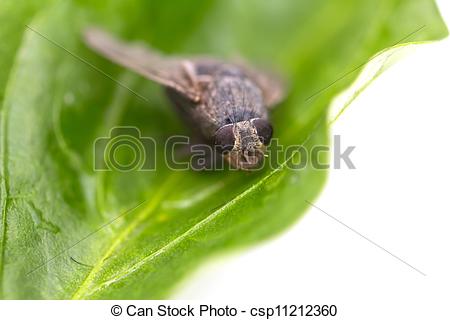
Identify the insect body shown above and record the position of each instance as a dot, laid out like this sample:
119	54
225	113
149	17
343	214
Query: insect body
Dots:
228	102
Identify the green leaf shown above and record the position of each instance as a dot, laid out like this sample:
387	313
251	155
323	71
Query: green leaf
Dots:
59	234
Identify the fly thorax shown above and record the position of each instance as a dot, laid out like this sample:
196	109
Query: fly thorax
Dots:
233	98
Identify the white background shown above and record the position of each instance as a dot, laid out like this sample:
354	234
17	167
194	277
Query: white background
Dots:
397	197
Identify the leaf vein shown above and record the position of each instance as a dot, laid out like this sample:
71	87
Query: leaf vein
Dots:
141	215
199	224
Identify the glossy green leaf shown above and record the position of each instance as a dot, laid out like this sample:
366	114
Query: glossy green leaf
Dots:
60	235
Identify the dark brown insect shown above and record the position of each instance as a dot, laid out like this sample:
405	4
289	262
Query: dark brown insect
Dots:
228	102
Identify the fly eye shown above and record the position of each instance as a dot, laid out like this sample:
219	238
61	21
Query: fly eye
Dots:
264	129
224	138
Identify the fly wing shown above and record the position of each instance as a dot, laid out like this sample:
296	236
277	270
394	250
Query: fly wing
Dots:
170	72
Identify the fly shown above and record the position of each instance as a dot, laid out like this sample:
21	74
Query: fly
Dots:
227	102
